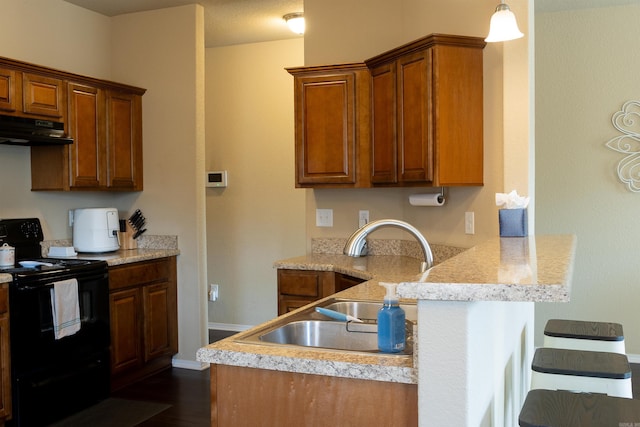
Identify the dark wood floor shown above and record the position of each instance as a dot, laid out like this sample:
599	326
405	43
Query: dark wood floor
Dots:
187	391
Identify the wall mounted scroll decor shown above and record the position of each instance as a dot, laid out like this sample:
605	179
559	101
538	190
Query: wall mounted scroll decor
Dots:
627	121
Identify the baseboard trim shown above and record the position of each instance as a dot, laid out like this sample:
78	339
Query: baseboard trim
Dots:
189	364
228	326
633	358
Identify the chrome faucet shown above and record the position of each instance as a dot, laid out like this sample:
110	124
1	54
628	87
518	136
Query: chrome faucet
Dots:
357	244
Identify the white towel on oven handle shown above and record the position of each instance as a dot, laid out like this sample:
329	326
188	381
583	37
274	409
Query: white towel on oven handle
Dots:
65	308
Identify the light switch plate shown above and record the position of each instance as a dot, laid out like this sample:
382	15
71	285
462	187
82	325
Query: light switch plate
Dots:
469	223
324	217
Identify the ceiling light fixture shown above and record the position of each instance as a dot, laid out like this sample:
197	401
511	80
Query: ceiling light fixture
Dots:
503	25
295	21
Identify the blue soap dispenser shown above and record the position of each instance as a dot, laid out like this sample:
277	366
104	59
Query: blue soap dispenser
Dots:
391	325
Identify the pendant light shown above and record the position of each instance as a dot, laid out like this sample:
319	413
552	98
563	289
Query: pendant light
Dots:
295	21
503	25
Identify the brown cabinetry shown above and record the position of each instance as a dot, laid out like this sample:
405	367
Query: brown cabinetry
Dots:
297	288
106	126
144	330
5	355
103	118
411	116
427	113
331	125
252	397
43	96
31	94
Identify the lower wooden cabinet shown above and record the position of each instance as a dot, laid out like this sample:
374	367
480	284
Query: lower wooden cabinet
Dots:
5	356
257	397
144	319
297	288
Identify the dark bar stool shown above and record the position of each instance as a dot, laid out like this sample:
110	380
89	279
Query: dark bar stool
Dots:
550	408
584	335
584	371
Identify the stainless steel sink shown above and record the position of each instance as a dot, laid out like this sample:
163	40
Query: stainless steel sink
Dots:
310	329
368	309
327	334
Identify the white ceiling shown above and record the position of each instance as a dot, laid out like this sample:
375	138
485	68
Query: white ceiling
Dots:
227	22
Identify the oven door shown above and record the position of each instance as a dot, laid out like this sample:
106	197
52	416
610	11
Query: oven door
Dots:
58	377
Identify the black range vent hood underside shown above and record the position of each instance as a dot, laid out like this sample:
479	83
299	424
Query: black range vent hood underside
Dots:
27	132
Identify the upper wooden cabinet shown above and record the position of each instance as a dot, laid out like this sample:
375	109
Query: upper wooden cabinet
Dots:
124	140
411	116
331	125
427	121
30	94
43	96
8	90
103	118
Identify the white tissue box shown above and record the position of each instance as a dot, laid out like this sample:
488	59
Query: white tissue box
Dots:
513	222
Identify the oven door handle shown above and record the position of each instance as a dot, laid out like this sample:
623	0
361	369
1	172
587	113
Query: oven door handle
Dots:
24	288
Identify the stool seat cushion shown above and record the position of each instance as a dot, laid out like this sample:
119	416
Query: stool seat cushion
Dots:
598	364
547	408
579	329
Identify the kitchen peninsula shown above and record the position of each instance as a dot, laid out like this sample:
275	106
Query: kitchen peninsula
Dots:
474	335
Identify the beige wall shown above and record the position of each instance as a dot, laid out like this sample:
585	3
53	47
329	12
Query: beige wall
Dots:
259	217
60	36
582	78
170	65
135	49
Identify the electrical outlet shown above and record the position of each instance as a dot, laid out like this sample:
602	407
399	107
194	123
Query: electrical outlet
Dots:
324	217
469	223
213	292
363	218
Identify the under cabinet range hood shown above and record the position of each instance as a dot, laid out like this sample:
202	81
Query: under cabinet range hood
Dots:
27	131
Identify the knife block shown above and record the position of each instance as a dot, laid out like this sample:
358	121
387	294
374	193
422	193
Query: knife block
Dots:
126	238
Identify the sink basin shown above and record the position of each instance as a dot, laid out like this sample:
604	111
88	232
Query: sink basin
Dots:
310	329
368	310
327	334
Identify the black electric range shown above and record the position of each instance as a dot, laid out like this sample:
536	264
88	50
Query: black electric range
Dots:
58	376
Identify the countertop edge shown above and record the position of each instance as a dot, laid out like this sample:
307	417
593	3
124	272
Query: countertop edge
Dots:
301	365
120	257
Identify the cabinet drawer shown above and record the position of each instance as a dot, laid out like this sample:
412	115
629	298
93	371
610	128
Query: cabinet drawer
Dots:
139	273
299	283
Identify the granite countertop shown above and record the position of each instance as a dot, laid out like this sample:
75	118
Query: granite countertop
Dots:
129	256
533	268
149	247
536	268
307	360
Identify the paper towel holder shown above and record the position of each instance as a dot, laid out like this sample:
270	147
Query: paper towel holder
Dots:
428	199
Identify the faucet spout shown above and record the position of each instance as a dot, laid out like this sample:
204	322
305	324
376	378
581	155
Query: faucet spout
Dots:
356	245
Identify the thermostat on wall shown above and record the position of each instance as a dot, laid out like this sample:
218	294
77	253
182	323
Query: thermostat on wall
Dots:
216	179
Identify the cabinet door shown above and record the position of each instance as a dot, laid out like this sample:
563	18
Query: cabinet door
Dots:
458	135
384	164
124	141
415	151
43	96
325	129
126	340
9	90
5	367
86	127
160	313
